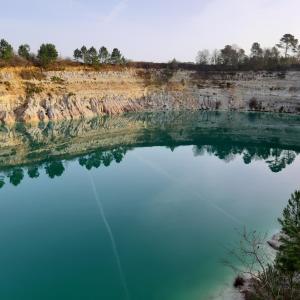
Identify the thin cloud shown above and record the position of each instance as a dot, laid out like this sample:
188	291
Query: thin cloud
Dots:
115	11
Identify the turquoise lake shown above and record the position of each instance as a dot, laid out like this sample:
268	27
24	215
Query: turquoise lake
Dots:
141	206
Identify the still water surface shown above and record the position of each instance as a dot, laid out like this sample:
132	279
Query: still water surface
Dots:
142	207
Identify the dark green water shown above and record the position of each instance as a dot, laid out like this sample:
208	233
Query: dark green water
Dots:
142	207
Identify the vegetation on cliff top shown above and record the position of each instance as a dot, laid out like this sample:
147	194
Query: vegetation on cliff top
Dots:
93	57
47	56
284	55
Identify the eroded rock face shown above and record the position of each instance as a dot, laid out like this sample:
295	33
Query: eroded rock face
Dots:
75	93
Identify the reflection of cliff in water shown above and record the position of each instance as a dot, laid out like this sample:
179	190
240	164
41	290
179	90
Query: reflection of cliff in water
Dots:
99	142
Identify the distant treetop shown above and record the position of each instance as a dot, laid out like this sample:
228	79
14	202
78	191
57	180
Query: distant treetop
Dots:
93	57
6	50
284	54
47	54
259	58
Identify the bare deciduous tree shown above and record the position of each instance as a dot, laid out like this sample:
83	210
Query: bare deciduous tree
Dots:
203	57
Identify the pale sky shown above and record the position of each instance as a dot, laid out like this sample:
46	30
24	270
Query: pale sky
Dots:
153	30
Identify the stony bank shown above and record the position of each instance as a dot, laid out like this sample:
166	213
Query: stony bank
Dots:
31	94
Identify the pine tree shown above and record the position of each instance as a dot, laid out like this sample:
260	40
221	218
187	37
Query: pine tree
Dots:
116	56
256	50
84	54
77	54
6	50
93	58
288	43
47	54
103	55
288	258
24	51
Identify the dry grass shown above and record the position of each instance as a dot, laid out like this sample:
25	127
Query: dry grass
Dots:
30	74
15	61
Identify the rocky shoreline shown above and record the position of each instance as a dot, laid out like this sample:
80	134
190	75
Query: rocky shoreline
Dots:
245	284
32	95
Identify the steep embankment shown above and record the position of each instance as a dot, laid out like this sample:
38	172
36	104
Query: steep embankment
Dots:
30	94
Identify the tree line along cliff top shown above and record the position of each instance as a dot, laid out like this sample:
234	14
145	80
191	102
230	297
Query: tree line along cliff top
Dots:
283	56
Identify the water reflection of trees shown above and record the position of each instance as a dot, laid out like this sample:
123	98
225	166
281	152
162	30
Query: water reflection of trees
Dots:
33	172
44	149
55	167
2	181
98	158
16	176
276	159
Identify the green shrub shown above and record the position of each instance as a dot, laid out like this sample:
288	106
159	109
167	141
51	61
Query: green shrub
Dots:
32	89
57	80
